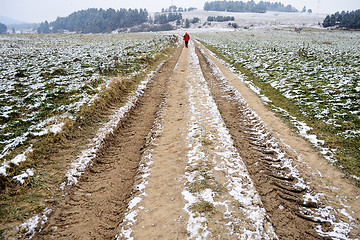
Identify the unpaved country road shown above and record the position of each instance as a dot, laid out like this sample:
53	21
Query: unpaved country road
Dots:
200	157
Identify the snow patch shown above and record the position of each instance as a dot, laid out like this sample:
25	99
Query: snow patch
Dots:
24	174
206	118
86	157
16	160
34	224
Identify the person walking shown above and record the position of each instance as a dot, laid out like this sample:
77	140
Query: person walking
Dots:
186	39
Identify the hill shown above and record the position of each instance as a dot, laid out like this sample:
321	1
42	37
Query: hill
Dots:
9	21
268	19
95	20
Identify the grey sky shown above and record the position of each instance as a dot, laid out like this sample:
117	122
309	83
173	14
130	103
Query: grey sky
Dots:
41	10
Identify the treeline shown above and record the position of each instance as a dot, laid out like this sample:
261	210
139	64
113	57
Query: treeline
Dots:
177	9
166	18
250	6
95	20
220	18
348	20
162	23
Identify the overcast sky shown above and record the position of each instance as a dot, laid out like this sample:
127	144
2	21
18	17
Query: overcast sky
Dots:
41	10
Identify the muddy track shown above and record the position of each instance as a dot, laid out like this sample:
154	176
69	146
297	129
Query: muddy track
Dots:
94	207
192	160
274	182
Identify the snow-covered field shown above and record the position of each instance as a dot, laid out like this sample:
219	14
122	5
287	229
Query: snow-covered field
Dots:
45	79
318	71
268	19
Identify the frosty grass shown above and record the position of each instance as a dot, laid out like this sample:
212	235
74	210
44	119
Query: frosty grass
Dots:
318	71
45	79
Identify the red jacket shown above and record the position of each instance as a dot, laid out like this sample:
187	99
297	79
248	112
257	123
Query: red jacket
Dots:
186	37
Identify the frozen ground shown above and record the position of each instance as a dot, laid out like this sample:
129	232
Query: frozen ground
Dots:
268	19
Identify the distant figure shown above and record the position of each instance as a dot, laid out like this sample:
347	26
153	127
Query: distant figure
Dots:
186	39
298	30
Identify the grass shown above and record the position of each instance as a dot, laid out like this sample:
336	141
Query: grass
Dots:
53	153
43	80
348	152
203	207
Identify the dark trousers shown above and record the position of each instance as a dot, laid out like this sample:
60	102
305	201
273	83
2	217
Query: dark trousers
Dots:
186	43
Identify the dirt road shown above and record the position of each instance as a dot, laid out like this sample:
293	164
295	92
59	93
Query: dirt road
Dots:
200	157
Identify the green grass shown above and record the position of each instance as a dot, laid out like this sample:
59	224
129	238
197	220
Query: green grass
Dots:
348	152
52	153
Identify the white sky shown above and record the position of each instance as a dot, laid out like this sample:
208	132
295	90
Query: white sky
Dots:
41	10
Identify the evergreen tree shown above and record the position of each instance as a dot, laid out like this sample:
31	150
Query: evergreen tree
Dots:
187	23
95	20
151	20
195	20
3	28
220	18
164	18
44	28
348	20
326	22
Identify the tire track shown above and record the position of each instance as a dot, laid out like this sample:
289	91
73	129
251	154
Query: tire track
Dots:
270	165
156	210
198	186
221	198
94	207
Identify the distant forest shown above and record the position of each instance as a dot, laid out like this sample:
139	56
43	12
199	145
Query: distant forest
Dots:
95	20
220	18
249	6
166	18
348	20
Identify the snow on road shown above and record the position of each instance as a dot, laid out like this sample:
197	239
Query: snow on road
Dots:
192	181
212	153
219	197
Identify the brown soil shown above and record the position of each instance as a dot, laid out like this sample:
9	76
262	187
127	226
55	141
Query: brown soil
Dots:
162	216
96	206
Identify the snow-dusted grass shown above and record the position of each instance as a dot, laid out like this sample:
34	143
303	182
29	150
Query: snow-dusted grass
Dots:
45	79
313	76
86	156
325	212
25	177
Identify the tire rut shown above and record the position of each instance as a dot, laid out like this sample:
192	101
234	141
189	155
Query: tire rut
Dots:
280	191
94	207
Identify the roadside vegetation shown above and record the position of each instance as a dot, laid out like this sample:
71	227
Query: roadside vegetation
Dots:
311	80
54	104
